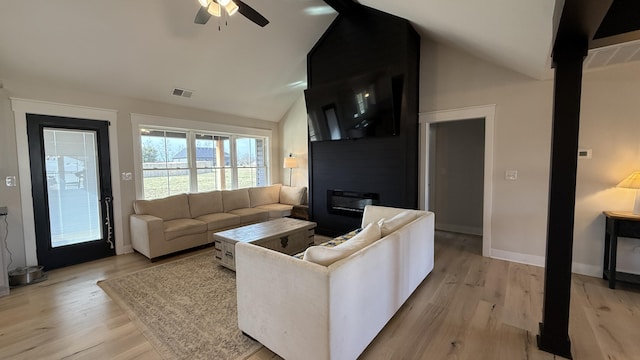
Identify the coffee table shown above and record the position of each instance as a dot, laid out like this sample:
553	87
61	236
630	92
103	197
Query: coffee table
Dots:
286	235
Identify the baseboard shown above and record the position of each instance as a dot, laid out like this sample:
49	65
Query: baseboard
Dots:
128	249
535	260
459	229
585	269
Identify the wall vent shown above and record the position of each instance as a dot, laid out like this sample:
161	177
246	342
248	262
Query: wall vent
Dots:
182	92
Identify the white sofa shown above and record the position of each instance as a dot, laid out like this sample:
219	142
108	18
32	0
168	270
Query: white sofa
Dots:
303	310
163	226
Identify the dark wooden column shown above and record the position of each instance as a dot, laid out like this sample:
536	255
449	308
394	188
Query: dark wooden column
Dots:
568	56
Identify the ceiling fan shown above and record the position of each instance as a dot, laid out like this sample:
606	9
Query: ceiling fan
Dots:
217	7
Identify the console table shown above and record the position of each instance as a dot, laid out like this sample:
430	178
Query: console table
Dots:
618	224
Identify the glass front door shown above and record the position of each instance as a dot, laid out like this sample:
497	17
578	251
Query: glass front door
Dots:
71	188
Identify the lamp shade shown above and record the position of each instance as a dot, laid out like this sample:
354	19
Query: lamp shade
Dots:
631	182
290	162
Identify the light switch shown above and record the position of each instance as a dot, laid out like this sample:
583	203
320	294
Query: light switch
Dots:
511	175
11	181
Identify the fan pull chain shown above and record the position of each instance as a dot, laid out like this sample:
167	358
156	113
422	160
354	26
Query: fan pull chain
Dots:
226	21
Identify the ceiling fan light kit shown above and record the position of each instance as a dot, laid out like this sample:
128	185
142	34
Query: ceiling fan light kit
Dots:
214	9
210	8
231	8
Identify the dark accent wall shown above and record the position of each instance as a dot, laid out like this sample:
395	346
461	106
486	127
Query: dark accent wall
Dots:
365	40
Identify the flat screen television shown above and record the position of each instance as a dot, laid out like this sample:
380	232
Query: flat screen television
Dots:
363	106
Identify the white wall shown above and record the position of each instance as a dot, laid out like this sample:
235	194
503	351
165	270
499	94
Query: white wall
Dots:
452	79
10	196
125	106
610	126
293	127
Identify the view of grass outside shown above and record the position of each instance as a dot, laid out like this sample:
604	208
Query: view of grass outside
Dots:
168	168
162	186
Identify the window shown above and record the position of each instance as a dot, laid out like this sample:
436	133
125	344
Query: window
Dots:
164	170
178	161
251	161
213	162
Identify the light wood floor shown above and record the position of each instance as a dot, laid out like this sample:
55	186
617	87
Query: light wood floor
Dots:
469	307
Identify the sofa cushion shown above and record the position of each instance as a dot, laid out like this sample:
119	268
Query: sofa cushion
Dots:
292	195
169	208
264	195
276	210
326	256
235	199
180	227
205	203
251	215
220	220
387	226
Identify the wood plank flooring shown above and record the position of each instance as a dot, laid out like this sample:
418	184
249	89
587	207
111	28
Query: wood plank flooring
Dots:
469	307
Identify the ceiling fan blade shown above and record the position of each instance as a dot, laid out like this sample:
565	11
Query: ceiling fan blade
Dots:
251	14
202	16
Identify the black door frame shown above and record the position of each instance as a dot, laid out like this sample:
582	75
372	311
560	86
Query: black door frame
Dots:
67	255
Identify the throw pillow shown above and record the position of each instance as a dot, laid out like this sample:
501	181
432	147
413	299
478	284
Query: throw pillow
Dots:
326	256
387	226
291	195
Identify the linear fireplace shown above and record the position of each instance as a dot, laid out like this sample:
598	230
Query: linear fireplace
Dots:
349	203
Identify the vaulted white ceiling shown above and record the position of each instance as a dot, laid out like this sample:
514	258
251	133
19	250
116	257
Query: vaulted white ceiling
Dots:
144	48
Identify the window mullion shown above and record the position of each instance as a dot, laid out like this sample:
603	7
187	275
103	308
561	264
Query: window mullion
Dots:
220	162
234	161
191	161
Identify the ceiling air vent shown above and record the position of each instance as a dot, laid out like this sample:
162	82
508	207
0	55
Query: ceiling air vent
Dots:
182	92
613	54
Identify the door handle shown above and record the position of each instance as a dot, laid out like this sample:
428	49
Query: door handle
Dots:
107	202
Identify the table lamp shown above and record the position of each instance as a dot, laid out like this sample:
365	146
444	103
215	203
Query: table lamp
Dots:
633	182
290	163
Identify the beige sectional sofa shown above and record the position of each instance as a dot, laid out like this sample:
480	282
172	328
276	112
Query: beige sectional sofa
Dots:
163	226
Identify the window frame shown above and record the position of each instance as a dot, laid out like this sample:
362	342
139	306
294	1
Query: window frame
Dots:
141	121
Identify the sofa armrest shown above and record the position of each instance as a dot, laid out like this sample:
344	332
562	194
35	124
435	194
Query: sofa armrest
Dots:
283	302
144	228
374	213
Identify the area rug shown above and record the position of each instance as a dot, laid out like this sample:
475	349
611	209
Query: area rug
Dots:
186	308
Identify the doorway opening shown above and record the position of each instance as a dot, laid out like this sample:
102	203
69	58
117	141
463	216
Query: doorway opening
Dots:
429	123
456	166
